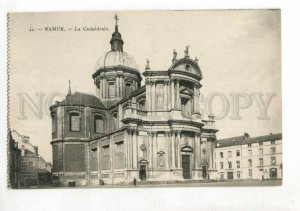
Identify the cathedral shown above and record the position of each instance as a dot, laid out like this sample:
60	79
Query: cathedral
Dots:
127	131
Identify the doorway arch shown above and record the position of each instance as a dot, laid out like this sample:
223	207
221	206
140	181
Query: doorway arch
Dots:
186	158
143	164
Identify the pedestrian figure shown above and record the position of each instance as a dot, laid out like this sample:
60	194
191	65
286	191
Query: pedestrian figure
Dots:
134	181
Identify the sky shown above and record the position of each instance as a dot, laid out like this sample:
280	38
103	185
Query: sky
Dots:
239	51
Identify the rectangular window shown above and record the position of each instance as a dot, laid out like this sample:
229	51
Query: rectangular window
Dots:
238	153
249	163
261	151
105	150
75	122
273	150
229	154
260	143
98	124
54	123
111	89
261	161
249	152
30	166
249	145
230	165
221	165
238	174
273	161
250	173
159	97
221	154
238	164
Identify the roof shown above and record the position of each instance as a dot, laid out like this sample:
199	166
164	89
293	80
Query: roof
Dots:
116	58
246	139
23	141
81	99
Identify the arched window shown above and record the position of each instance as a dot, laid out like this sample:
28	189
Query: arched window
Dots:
141	104
186	106
115	121
74	122
98	124
127	88
111	89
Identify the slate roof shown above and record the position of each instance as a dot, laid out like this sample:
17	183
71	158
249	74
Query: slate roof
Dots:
246	139
81	99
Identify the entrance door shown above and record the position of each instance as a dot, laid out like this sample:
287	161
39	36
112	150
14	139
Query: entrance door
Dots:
229	175
204	172
186	166
142	172
273	173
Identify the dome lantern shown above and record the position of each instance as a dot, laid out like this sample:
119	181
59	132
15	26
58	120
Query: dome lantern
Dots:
116	41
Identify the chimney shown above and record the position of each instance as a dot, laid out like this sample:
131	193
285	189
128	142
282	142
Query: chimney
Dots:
22	150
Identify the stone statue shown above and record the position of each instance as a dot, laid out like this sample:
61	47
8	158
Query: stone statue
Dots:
186	52
147	64
174	55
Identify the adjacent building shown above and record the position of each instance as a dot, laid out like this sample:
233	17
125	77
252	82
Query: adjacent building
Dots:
244	157
25	163
130	131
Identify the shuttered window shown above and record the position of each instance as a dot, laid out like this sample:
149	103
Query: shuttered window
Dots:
74	122
111	89
98	124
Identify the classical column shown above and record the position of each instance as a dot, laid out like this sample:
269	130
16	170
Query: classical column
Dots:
148	95
105	88
101	87
155	150
178	148
196	150
129	147
173	149
154	96
178	103
165	95
98	158
118	86
134	149
150	149
172	94
111	152
196	107
167	147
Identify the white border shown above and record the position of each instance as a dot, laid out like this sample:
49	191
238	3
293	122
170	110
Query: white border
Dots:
251	198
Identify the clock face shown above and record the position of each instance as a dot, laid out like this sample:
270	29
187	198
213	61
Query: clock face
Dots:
143	147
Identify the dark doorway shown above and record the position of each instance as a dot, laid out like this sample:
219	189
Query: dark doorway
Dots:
204	172
229	175
186	166
143	172
273	173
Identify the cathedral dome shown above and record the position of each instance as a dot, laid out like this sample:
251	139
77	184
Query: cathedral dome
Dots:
114	59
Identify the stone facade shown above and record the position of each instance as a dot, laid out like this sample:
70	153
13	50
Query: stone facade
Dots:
153	132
